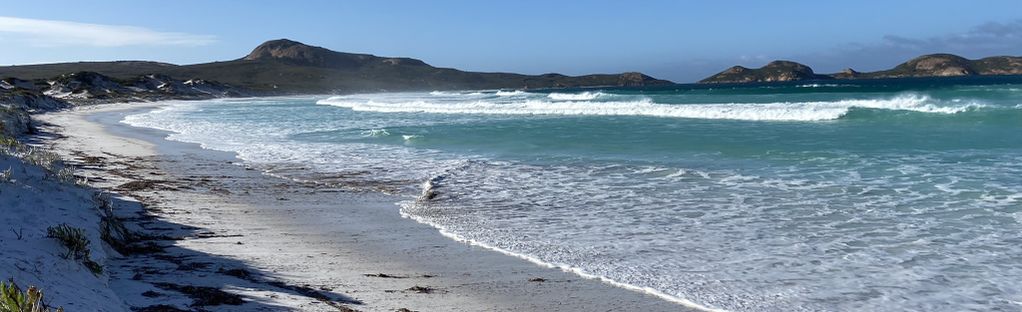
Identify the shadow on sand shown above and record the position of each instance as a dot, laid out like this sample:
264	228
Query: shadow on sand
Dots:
155	272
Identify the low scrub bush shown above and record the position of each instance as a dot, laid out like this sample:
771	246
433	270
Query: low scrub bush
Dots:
67	175
76	244
6	141
36	156
13	299
112	230
74	240
40	158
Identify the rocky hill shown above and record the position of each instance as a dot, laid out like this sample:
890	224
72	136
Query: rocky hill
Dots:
933	65
950	65
289	67
773	72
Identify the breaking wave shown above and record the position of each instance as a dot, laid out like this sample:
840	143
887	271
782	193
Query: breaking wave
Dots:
510	93
826	85
584	96
453	93
778	111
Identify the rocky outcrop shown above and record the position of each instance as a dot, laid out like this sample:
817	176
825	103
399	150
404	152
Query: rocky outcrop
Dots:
283	50
933	65
775	71
85	86
998	65
91	87
636	79
19	97
847	73
156	85
950	65
14	121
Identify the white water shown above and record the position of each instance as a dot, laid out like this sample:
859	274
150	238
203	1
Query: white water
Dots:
584	96
779	111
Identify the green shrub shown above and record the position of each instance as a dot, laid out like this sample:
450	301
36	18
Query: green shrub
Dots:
8	142
73	239
76	245
66	175
111	229
8	145
39	157
12	299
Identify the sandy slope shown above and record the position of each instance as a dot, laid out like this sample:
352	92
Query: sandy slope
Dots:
30	202
282	244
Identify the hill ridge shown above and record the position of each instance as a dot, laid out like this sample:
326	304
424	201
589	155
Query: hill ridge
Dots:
284	66
929	65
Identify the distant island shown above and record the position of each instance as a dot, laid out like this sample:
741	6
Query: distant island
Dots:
933	65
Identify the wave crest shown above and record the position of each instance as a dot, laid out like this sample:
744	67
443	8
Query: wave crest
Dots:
584	96
778	111
510	93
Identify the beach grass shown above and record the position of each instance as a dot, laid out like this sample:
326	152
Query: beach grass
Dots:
76	244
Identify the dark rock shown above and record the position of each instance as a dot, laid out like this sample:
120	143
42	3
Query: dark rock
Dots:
847	73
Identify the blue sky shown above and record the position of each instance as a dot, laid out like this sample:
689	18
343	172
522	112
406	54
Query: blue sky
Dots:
677	40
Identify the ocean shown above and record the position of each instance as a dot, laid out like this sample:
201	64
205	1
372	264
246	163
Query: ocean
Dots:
848	195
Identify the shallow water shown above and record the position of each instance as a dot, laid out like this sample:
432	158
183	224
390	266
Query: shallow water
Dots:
854	196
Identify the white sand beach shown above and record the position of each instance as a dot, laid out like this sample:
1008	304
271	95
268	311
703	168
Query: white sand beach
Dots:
281	244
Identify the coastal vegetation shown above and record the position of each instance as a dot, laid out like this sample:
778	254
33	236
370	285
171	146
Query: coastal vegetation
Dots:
13	299
76	245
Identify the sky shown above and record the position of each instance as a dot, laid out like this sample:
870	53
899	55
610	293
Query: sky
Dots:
682	41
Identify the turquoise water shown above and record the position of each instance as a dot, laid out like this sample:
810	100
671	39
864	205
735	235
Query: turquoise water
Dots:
889	195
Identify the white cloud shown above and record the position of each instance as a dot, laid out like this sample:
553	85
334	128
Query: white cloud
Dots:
51	33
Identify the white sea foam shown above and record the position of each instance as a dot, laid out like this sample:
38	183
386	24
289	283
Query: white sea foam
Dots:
779	111
375	133
564	267
824	85
584	96
510	93
455	93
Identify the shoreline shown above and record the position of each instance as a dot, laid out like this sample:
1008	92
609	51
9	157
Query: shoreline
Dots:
355	243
